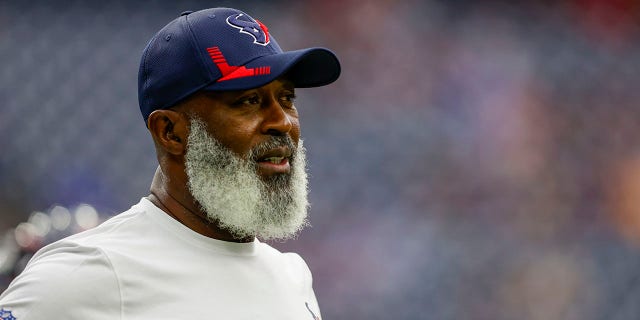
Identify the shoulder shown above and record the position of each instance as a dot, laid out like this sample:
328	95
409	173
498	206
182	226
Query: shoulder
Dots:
64	280
73	278
289	262
296	260
112	234
293	269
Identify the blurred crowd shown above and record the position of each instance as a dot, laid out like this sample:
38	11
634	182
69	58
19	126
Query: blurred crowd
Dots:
476	159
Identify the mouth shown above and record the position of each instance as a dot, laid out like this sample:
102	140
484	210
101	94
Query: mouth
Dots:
274	161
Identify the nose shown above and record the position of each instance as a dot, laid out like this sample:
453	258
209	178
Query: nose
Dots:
276	121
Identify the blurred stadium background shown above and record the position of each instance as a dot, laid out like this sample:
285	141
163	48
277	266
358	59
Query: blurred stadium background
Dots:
476	160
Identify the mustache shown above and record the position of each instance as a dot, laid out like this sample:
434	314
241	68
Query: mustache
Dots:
274	142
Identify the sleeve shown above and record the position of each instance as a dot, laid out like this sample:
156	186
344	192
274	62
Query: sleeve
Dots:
65	282
311	301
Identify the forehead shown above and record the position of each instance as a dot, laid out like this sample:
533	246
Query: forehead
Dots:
202	97
273	86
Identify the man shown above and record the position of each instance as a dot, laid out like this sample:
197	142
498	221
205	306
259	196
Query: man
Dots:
216	93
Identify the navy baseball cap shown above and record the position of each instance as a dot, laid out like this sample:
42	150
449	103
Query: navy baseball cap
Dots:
222	49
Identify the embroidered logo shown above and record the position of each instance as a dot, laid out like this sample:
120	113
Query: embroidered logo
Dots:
6	315
312	314
250	26
234	72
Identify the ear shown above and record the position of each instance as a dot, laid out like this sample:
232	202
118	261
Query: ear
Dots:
169	130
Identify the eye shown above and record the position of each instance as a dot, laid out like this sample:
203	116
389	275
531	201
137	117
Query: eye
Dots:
288	98
253	99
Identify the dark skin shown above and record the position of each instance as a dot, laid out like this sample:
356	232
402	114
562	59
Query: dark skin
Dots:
237	119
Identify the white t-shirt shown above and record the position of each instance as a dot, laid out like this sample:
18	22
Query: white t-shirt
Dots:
142	264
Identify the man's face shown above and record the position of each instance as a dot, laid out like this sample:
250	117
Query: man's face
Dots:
241	120
245	162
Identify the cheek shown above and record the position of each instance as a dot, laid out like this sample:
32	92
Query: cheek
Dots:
237	137
241	134
295	132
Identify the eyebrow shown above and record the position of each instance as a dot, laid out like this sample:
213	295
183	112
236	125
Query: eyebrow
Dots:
286	83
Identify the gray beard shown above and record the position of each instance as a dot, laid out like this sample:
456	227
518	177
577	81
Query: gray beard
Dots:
232	194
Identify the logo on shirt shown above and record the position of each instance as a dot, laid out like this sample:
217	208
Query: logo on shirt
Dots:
6	315
312	314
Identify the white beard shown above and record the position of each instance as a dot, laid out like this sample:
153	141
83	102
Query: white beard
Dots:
232	194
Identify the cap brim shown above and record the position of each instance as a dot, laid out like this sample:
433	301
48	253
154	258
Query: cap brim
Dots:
306	68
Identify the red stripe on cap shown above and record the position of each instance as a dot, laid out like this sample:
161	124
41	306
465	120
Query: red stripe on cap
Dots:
234	72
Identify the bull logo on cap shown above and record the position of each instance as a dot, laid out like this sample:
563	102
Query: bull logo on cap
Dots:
250	26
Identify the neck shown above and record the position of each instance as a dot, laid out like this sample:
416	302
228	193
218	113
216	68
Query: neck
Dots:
178	203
